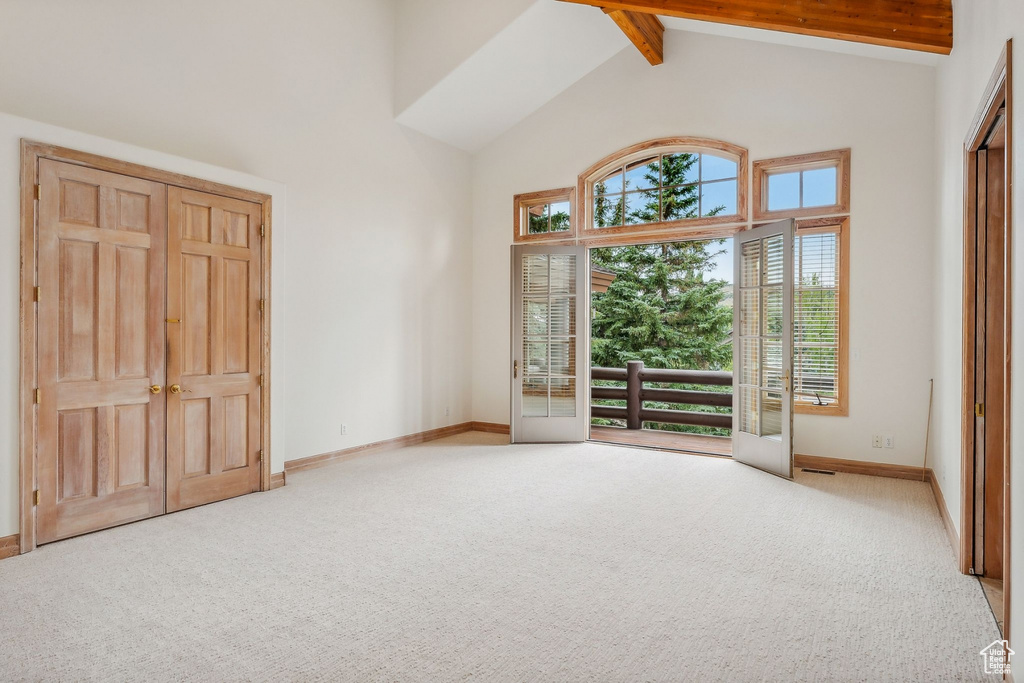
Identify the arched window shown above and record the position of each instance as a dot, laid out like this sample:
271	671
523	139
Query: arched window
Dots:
669	183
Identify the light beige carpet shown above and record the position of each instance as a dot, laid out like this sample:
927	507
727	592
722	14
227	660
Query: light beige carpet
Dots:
467	560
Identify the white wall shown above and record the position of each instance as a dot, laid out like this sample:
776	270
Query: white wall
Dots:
432	37
543	51
373	327
775	101
980	32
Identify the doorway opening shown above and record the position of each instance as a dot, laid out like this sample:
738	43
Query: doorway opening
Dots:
984	550
661	347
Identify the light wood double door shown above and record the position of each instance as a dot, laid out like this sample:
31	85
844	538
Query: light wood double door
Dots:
149	337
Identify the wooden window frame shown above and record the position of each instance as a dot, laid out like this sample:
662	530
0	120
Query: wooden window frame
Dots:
839	158
687	228
840	225
31	153
528	199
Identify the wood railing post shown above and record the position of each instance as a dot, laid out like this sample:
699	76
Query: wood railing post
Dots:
633	386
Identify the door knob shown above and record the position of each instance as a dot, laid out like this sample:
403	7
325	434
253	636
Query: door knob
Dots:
176	389
155	389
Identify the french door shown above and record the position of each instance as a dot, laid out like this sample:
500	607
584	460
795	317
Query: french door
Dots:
148	349
549	336
763	348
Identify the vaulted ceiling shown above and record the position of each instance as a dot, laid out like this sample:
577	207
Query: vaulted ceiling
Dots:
467	71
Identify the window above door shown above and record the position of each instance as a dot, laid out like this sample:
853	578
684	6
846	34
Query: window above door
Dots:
545	216
669	184
803	185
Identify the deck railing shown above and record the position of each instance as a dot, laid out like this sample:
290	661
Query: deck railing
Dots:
635	394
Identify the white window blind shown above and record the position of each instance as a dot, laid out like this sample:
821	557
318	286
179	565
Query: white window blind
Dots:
816	320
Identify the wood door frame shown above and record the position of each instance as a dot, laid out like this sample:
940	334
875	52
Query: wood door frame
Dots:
31	153
997	92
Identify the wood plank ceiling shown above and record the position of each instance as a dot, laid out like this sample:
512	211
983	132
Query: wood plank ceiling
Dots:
921	25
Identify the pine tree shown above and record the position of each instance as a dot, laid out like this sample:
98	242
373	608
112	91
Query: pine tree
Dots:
660	308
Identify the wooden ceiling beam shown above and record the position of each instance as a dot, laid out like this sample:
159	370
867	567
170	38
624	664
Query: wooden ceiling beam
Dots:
644	30
922	25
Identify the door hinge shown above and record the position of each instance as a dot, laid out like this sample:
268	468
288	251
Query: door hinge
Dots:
39	396
261	456
262	229
38	191
35	497
263	304
36	293
979	410
261	380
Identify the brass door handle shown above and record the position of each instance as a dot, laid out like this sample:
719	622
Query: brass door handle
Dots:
176	389
155	389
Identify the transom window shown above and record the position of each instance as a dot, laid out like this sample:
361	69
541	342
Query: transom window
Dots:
666	187
661	185
804	185
547	215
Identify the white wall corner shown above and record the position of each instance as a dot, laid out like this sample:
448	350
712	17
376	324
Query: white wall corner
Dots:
535	57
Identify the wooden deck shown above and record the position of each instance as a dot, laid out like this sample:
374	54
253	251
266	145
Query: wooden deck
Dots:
669	441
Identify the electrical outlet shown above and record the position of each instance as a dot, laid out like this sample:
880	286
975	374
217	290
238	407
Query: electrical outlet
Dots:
889	441
876	441
344	429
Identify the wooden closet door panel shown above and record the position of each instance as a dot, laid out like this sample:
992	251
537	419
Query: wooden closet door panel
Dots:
102	266
214	267
994	312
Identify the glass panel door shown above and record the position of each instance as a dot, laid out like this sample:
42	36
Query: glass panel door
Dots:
763	349
549	292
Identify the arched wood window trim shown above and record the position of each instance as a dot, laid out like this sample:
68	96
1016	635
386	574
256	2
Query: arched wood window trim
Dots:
699	227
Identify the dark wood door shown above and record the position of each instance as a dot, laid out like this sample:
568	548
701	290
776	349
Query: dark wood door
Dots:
989	363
